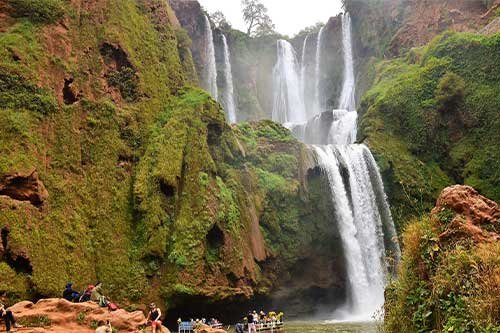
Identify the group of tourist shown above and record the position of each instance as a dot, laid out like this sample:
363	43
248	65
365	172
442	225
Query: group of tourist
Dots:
94	293
260	321
91	293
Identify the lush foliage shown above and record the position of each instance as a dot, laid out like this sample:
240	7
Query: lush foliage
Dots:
432	119
447	286
38	11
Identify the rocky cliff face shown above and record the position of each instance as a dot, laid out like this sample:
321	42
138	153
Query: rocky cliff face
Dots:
112	170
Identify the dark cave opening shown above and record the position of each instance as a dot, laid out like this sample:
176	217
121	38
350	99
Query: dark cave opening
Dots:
18	263
167	189
69	96
215	237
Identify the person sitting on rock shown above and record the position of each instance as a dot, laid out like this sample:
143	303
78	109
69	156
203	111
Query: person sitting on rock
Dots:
103	327
154	317
69	294
9	319
97	297
86	294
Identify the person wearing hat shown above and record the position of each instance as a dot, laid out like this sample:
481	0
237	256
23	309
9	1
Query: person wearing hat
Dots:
69	294
154	316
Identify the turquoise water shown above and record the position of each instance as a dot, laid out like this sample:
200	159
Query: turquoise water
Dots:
322	327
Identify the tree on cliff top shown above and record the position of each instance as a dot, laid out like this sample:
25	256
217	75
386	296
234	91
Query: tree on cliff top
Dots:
256	17
220	20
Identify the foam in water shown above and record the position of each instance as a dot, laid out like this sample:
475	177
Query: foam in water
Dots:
347	97
210	72
227	97
318	107
288	103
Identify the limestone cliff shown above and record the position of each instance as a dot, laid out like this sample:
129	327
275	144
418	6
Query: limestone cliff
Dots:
112	169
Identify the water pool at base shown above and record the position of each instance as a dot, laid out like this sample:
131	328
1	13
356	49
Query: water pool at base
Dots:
323	327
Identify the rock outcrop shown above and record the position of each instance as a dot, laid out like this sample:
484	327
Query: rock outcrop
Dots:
60	316
24	186
474	214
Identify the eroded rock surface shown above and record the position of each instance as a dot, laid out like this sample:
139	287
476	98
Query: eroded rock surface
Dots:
63	316
24	186
475	216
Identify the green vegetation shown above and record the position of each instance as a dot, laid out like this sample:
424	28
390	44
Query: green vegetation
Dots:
38	11
446	286
126	81
432	120
36	321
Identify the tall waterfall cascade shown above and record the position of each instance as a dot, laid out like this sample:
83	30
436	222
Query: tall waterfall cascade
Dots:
362	214
347	97
227	98
318	98
210	69
288	104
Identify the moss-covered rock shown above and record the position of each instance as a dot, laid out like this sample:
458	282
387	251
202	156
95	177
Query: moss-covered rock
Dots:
431	120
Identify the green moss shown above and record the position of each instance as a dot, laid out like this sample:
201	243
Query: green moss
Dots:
38	11
430	120
126	81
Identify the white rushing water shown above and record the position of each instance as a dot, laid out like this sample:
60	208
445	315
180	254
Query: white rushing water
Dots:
303	71
210	70
288	102
318	107
362	214
347	97
227	99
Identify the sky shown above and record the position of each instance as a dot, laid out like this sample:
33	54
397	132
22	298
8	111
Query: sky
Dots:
289	16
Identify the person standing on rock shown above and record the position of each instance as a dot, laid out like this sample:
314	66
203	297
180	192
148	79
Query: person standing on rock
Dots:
251	324
9	319
154	316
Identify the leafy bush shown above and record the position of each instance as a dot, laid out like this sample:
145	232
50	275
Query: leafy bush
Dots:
126	81
450	92
38	11
17	92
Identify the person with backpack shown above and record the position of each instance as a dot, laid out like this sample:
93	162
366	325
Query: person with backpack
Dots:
9	319
69	294
154	317
97	297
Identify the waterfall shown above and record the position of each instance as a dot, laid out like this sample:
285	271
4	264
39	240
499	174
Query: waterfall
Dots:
210	70
347	97
303	70
228	93
349	169
362	213
288	102
318	99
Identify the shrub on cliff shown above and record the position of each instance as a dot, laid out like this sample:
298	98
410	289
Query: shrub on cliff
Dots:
448	279
38	11
450	92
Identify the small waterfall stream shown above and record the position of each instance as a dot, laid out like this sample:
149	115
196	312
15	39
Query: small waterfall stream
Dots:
362	213
318	98
210	70
347	97
227	98
288	100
